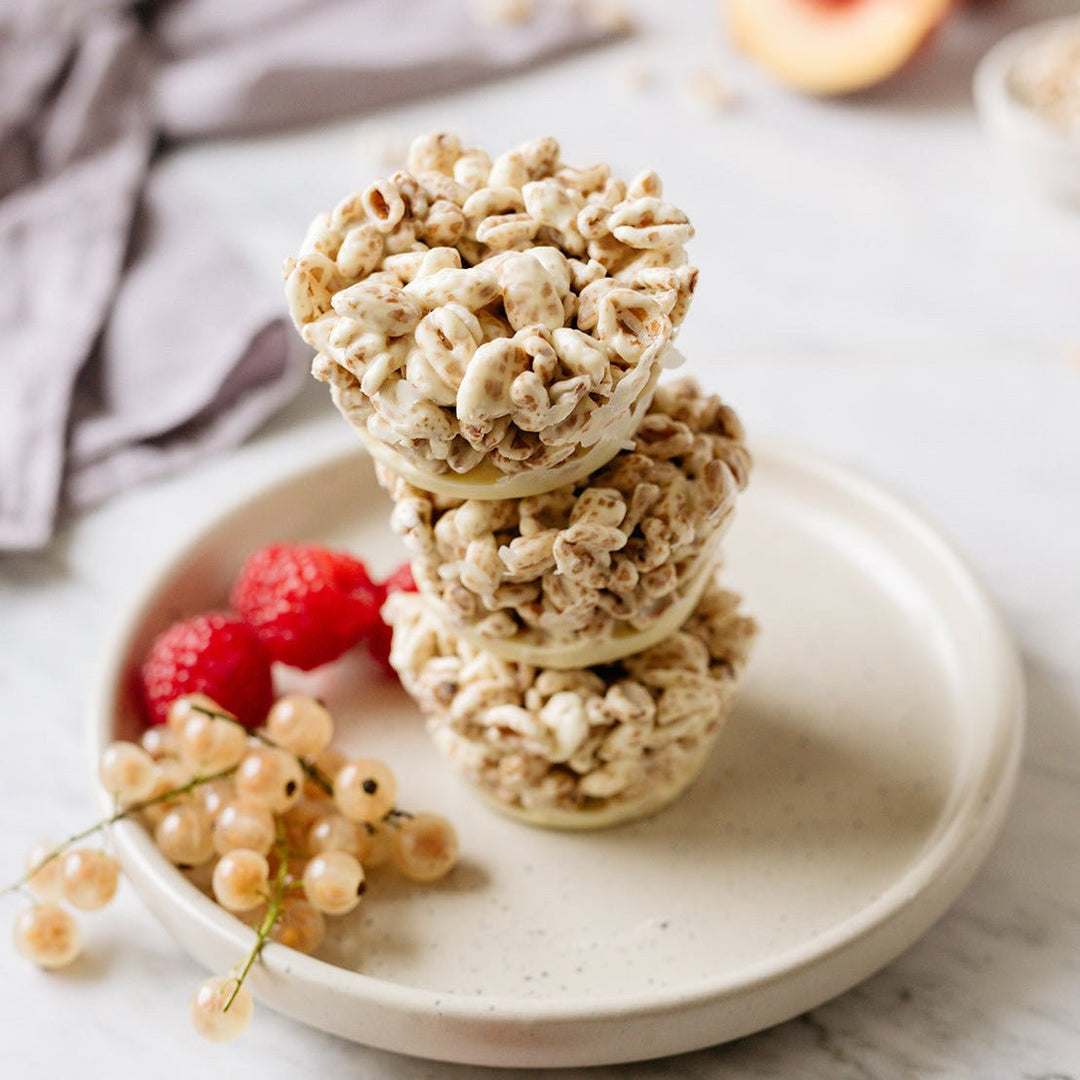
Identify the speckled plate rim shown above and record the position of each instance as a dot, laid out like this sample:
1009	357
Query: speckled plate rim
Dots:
506	1031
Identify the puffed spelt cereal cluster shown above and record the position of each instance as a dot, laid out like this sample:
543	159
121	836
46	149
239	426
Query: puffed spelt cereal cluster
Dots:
589	560
576	748
510	311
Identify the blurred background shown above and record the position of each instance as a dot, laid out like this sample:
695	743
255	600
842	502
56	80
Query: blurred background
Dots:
158	161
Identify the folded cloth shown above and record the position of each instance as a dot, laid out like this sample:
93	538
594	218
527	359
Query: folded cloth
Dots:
134	338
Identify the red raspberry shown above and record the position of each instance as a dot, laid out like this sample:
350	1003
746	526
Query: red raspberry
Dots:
307	604
215	654
382	634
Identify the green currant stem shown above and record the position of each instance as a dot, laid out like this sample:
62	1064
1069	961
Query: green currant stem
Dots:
112	819
312	770
217	714
394	818
277	899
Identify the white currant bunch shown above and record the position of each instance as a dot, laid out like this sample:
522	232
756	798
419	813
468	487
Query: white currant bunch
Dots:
47	933
275	824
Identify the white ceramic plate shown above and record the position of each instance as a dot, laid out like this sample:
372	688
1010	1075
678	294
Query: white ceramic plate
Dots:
855	790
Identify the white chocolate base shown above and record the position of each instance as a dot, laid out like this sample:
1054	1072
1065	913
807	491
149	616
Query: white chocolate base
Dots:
487	482
605	815
585	652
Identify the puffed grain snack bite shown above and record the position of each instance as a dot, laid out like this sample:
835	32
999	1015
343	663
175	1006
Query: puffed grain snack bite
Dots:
583	748
493	328
594	570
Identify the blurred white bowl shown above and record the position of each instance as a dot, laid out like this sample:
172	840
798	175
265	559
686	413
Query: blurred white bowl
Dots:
1046	154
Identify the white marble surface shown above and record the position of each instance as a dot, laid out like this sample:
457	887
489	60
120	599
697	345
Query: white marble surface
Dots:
873	287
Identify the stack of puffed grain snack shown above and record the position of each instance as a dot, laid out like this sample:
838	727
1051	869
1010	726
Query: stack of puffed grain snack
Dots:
495	331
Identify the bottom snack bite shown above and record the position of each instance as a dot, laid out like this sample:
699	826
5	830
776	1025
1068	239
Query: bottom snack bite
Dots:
582	748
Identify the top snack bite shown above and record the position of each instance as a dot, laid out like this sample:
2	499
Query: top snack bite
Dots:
493	329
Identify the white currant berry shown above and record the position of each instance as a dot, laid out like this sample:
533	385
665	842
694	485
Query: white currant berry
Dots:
183	708
183	835
127	772
300	925
254	917
274	777
159	741
297	822
240	880
334	882
294	871
213	795
365	790
210	744
243	823
329	762
201	876
425	847
88	878
44	880
208	1012
169	775
380	845
334	832
300	724
47	935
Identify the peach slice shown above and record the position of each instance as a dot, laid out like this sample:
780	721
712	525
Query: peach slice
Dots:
832	46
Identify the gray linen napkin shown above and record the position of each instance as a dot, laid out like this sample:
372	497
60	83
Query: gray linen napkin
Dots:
132	339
